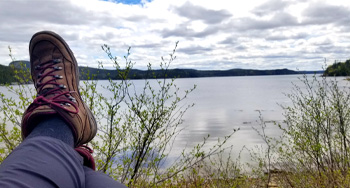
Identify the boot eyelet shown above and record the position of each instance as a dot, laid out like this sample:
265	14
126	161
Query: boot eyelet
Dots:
58	76
37	67
62	86
58	68
39	75
56	60
72	99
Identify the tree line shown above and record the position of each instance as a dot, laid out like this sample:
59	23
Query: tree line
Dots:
7	73
338	69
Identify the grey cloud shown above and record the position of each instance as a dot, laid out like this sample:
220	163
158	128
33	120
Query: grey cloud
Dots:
106	36
195	50
27	17
331	49
19	19
280	56
228	40
70	36
232	42
225	64
291	61
269	56
270	7
241	47
280	19
39	13
183	31
193	12
214	65
326	42
147	45
180	31
144	18
136	18
282	37
327	47
7	34
241	36
262	47
319	13
61	13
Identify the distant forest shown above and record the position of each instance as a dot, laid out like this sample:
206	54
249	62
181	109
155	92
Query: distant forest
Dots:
338	69
7	72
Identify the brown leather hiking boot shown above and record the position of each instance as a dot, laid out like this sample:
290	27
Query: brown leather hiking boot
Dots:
56	78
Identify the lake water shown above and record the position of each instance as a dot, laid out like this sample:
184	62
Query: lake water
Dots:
225	103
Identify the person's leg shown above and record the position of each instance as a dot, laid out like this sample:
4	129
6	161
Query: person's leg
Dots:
46	158
95	179
57	121
56	117
53	126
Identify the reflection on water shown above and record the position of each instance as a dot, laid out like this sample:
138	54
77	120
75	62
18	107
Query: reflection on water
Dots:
225	103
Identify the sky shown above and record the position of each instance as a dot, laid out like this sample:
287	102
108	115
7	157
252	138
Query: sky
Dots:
212	34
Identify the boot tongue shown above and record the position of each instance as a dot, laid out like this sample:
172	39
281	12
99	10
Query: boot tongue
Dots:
46	89
47	80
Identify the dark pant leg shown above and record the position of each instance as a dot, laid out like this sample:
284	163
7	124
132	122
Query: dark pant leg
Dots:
42	161
95	179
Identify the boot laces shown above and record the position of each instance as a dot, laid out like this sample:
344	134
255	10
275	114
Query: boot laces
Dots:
86	153
56	92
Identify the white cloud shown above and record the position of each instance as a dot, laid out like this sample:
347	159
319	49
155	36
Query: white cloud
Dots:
216	34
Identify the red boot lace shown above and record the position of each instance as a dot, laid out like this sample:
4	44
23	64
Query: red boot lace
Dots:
86	153
57	92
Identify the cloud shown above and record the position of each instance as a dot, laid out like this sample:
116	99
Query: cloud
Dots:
63	12
216	34
130	2
321	13
213	65
280	19
196	50
193	12
184	30
282	37
229	40
147	45
271	7
212	21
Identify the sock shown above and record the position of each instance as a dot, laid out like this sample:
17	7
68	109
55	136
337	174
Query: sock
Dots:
55	127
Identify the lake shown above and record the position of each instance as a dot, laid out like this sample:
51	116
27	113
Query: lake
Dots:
225	103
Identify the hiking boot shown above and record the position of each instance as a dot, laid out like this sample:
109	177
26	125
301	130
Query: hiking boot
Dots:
55	75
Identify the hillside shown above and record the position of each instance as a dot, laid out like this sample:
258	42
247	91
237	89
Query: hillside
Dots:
103	74
185	73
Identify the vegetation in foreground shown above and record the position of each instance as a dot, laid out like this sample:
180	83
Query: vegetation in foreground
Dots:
137	130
